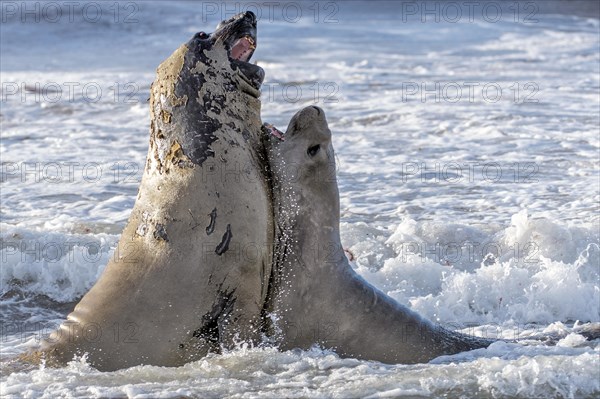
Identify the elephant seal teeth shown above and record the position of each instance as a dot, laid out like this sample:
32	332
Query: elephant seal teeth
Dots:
243	48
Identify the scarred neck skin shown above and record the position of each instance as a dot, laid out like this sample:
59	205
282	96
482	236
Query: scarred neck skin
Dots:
205	87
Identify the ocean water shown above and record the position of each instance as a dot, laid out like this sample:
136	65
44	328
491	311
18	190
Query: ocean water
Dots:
467	142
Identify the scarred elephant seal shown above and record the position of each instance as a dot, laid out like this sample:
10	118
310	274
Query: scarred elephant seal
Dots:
315	296
191	269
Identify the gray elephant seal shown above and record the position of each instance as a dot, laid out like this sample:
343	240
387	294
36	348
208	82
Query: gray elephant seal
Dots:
316	297
190	273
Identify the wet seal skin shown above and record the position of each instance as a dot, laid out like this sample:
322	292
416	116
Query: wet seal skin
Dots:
167	296
315	295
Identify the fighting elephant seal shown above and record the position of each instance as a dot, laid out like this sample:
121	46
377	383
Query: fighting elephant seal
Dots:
315	296
190	272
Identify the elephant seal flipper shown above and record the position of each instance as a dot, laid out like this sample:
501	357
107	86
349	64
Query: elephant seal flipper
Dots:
316	296
180	283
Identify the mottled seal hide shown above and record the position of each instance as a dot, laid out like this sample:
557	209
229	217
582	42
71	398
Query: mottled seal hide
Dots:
191	269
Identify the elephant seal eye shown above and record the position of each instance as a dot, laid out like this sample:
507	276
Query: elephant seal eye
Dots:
312	151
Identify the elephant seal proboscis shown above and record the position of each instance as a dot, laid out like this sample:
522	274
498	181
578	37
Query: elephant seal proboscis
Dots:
316	297
190	272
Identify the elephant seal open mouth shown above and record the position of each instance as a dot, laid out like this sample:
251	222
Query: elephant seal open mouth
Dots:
190	273
238	36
